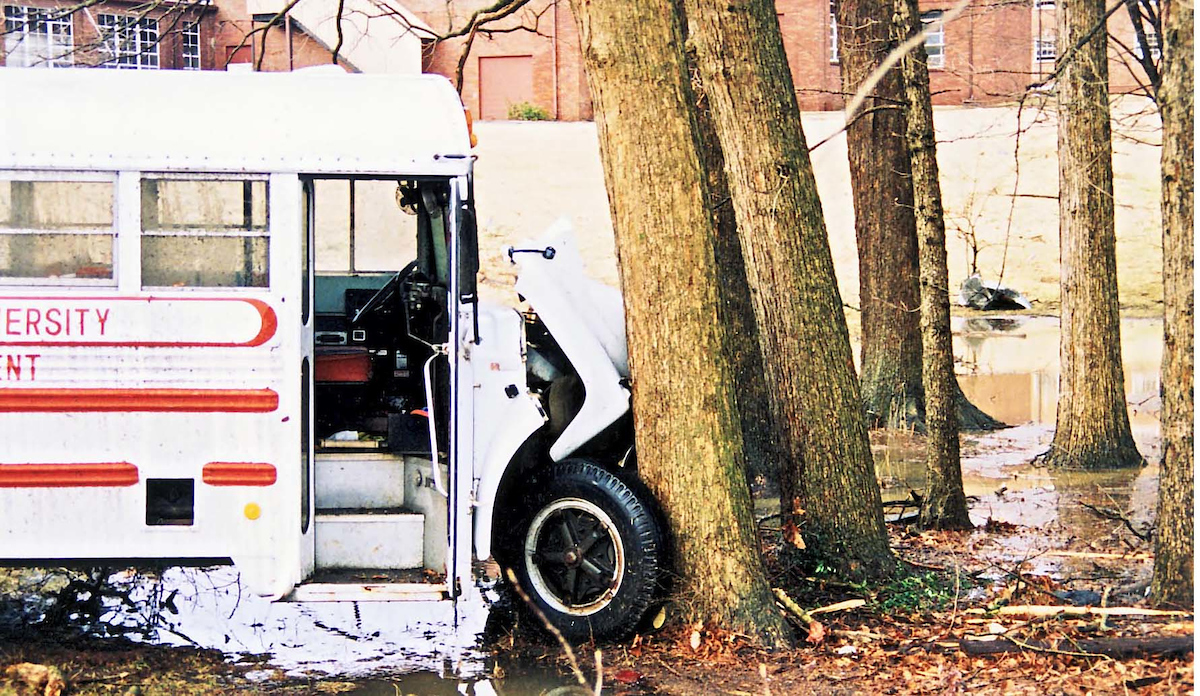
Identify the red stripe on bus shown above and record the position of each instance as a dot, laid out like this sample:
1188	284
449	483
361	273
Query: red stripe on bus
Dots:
138	400
238	474
270	322
68	475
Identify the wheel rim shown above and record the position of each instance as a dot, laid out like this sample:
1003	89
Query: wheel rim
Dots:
574	556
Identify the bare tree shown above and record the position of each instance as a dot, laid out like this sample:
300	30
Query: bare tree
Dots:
1174	550
829	489
1092	425
764	454
687	426
945	504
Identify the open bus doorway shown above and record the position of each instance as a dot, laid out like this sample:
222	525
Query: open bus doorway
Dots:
380	275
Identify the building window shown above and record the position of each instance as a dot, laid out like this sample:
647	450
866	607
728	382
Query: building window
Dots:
56	232
189	40
833	32
1045	50
1044	4
935	40
129	42
1152	42
204	232
37	38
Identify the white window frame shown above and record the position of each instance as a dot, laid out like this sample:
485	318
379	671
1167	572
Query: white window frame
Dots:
189	46
36	37
112	230
130	42
934	39
1153	41
1045	50
207	232
833	32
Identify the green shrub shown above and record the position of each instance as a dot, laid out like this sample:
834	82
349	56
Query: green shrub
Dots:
524	111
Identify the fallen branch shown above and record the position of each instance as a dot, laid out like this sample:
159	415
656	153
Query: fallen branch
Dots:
816	631
1047	610
512	580
1099	647
1097	555
1116	516
840	606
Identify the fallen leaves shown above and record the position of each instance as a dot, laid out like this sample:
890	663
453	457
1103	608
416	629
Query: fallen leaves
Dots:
48	680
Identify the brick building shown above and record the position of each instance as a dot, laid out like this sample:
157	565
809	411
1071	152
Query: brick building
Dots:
530	60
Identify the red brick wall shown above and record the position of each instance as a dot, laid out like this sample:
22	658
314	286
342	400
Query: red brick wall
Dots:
989	52
87	40
815	72
559	84
231	27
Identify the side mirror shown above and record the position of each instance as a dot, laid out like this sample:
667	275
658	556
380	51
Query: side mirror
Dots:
468	256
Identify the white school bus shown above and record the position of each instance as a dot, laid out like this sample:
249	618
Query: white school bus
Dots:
239	324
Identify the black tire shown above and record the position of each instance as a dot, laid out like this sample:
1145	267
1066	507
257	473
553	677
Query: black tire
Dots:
588	549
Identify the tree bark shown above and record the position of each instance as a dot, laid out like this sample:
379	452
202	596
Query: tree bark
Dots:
687	427
945	505
890	365
886	228
802	329
1092	424
763	453
1174	549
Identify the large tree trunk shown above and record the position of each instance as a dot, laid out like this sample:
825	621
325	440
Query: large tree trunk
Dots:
886	231
1092	424
1173	542
802	330
945	505
886	228
764	455
688	431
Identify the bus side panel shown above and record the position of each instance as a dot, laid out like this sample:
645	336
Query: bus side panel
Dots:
172	432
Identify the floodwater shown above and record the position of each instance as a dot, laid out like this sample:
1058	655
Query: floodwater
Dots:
1009	367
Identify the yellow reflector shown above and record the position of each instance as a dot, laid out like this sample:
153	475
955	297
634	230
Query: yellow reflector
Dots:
471	127
253	511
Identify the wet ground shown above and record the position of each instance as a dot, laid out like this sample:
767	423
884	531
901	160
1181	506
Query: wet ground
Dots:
1009	368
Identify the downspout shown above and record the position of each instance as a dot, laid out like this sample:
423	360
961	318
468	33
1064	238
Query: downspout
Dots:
287	24
971	57
554	57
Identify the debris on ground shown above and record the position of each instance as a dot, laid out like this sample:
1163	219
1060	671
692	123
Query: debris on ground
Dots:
990	295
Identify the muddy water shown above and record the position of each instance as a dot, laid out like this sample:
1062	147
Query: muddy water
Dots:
1009	366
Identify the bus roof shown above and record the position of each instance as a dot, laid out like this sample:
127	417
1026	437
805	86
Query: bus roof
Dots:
315	121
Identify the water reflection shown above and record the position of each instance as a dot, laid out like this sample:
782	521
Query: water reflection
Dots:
1010	368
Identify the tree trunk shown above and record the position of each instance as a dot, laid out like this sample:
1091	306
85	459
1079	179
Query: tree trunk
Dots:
886	228
802	330
688	431
763	453
883	220
1092	424
1173	542
945	505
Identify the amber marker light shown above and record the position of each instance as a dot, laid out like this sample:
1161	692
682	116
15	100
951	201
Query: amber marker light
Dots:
252	511
471	126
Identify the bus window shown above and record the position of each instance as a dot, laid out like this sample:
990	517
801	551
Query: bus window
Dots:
204	232
60	231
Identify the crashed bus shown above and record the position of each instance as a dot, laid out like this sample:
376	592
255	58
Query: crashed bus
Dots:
239	323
